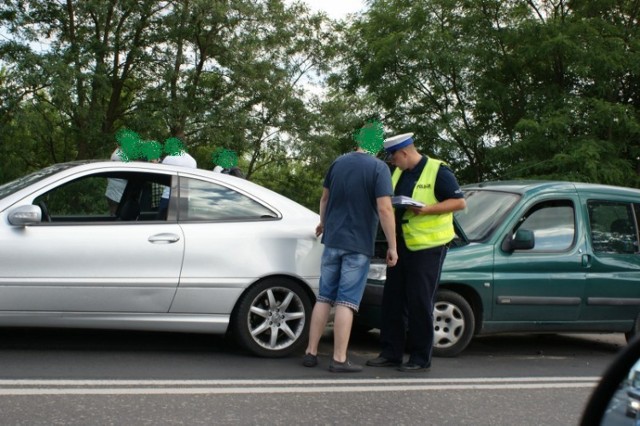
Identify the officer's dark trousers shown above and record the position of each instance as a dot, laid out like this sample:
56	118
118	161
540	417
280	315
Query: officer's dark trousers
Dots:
407	304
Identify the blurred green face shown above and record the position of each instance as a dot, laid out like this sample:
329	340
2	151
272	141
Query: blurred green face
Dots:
371	137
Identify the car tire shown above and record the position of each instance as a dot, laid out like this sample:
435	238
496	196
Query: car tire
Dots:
272	318
453	323
629	335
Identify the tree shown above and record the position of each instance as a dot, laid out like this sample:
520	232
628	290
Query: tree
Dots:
229	74
506	89
419	65
84	74
580	122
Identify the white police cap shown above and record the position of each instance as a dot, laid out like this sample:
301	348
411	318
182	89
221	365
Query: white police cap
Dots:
394	143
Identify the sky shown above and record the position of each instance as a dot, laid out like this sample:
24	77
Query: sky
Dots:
336	9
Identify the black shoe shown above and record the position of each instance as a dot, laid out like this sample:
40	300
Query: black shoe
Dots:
344	367
410	367
382	362
310	360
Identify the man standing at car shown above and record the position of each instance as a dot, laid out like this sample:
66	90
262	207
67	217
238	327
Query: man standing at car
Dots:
423	234
356	193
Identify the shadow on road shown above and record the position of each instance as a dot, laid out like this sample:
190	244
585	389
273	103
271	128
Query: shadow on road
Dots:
514	344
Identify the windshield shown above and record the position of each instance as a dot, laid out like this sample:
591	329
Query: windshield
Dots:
485	210
20	183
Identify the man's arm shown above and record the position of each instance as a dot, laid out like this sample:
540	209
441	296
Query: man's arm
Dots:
324	199
388	224
445	206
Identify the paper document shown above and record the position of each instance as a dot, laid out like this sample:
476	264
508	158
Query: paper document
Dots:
404	201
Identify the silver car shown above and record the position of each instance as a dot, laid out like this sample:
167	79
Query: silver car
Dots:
229	255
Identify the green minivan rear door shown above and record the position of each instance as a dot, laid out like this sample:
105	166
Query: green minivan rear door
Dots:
613	278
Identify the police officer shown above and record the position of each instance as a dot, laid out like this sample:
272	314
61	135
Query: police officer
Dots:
423	234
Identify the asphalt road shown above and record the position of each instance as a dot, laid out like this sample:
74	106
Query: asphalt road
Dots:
53	377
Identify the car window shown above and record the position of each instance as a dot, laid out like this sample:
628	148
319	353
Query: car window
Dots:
104	197
204	201
485	210
552	223
613	227
81	198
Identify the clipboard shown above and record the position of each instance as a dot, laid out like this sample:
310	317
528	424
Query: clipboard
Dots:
404	201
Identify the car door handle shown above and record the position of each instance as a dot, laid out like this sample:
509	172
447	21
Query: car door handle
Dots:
586	260
164	238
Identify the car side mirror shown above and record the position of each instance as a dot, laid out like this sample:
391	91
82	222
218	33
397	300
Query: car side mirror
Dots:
25	215
522	240
616	397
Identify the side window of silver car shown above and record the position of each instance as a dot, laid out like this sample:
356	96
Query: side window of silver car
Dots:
206	201
79	200
104	197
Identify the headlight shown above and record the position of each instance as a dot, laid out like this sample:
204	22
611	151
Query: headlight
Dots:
377	272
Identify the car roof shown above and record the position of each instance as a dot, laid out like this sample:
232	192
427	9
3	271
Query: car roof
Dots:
531	186
95	165
238	182
259	191
146	166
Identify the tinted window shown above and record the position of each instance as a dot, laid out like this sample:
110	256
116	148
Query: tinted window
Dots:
200	200
552	223
613	227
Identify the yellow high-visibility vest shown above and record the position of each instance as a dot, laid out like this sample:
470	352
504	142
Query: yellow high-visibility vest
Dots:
425	230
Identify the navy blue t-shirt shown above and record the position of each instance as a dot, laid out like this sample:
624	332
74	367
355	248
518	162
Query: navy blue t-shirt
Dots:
355	181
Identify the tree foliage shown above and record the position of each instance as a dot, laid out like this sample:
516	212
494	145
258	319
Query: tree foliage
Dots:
218	73
506	89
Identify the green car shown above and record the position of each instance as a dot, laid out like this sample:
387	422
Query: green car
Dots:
533	256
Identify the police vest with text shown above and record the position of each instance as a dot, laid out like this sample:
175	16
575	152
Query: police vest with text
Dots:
430	230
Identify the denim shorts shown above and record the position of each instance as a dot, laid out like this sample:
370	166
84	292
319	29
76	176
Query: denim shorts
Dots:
343	276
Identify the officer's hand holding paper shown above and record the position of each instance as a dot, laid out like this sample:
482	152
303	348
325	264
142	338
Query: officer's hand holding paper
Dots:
404	201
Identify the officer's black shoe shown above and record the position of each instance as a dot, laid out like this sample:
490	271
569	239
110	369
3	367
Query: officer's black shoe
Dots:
382	362
410	367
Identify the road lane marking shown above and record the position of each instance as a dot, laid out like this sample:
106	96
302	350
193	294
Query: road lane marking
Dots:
23	387
261	382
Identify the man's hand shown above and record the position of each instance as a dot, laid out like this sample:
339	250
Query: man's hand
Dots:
319	229
418	210
392	257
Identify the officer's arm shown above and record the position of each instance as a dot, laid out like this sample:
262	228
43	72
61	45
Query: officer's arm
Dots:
445	206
